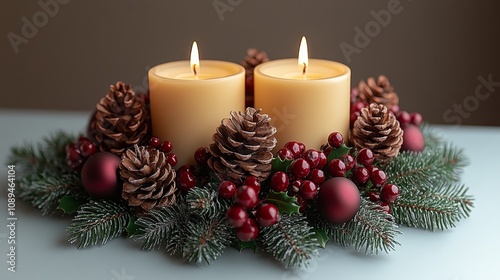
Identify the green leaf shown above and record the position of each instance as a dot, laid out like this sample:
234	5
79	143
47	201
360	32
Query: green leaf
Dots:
286	204
240	245
321	237
69	204
132	227
280	165
338	152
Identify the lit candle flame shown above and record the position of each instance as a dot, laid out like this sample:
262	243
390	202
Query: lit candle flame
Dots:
303	56
195	59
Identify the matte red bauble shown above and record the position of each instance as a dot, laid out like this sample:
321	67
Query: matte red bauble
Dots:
413	139
99	175
338	200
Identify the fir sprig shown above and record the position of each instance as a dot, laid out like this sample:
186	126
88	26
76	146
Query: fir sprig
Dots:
162	227
431	209
47	178
205	239
426	169
97	222
371	229
291	241
206	201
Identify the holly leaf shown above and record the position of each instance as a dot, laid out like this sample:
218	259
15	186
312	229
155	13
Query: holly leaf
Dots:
69	204
132	227
338	152
240	245
321	237
286	204
280	165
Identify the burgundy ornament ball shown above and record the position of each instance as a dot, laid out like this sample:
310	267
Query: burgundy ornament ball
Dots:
99	175
413	139
338	200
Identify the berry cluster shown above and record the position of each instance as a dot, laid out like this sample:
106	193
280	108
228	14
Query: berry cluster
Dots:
406	118
305	173
77	153
360	169
187	175
164	146
245	215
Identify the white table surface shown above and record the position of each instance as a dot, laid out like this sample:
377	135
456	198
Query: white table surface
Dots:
469	251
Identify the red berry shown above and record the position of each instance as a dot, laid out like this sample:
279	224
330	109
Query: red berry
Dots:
280	181
227	189
374	196
357	106
186	181
361	175
416	119
236	216
248	231
87	149
267	215
302	147
384	206
354	116
312	157
378	177
371	169
404	118
300	168
308	190
389	193
337	168
73	158
184	168
295	148
302	203
322	160
365	157
247	197
317	176
172	159
296	185
154	142
327	151
253	182
348	161
335	139
202	155
166	146
395	109
285	153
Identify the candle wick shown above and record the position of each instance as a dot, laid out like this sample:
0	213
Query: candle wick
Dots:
195	70
304	69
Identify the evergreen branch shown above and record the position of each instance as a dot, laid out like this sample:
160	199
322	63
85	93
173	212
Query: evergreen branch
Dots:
159	227
427	168
43	190
426	210
49	154
204	240
97	222
457	194
206	202
291	241
371	228
432	139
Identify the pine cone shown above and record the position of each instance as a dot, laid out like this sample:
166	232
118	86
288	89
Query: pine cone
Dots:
380	92
149	181
120	121
377	129
243	146
254	57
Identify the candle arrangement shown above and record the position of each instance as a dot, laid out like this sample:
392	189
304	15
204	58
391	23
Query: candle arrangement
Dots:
187	168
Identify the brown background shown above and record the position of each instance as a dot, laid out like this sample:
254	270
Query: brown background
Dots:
432	51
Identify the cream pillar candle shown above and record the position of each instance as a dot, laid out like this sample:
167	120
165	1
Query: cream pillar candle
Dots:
306	101
186	108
